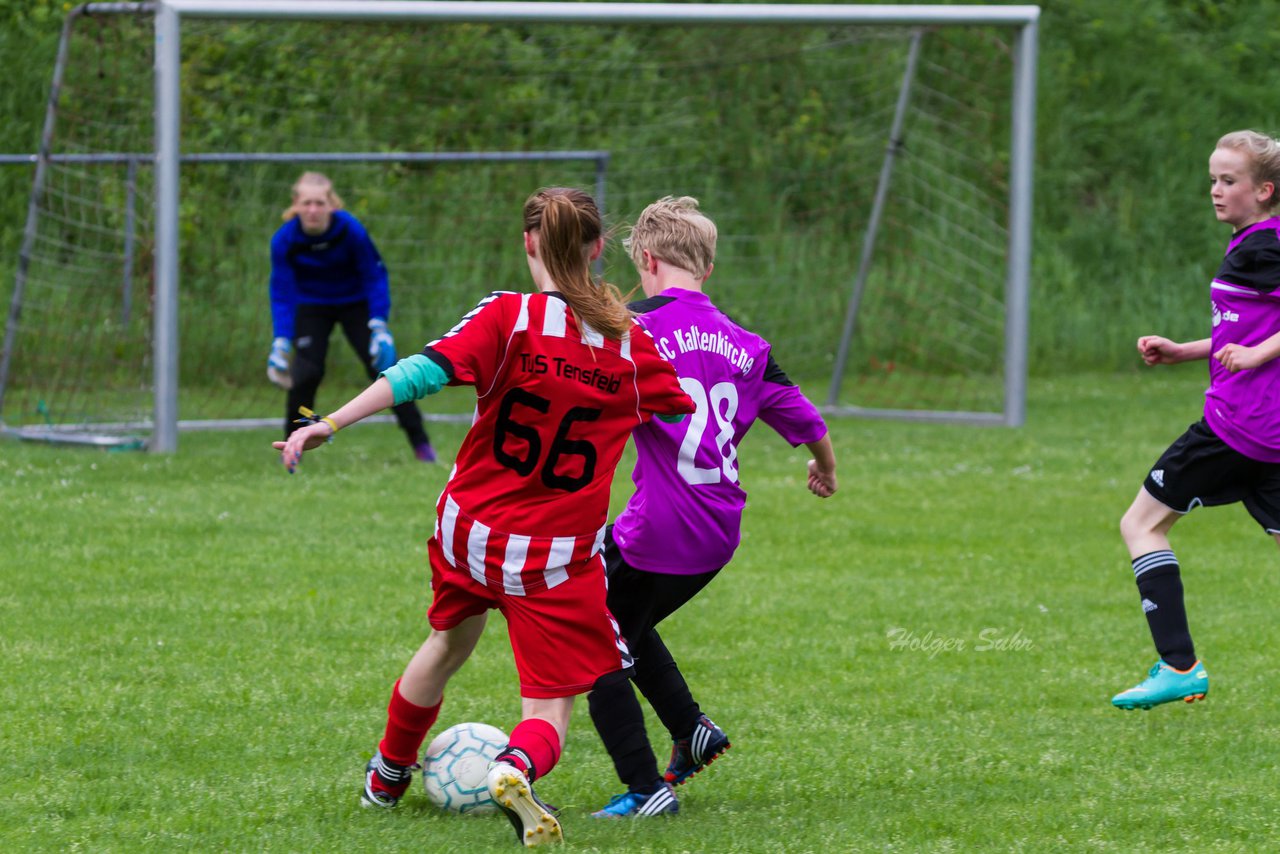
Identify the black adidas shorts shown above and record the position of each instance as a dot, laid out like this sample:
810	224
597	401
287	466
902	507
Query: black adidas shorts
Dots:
1201	469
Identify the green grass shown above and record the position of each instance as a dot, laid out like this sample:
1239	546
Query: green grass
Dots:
197	649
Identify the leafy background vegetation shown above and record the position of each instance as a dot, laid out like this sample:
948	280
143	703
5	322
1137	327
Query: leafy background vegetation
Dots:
1131	99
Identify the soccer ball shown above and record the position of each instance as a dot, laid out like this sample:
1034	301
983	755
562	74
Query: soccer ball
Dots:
456	764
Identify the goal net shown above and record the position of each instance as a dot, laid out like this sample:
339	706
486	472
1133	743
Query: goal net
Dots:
869	181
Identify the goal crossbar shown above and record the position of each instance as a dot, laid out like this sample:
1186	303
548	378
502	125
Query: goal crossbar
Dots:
168	110
611	13
987	296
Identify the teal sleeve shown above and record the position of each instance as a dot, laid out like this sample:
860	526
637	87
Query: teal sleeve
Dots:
414	377
672	419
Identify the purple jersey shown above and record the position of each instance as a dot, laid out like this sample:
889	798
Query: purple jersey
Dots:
686	514
1243	408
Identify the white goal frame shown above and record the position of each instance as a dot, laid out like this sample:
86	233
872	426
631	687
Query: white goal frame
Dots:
168	31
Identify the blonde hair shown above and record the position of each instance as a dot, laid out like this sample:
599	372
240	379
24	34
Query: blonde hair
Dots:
674	230
568	223
1264	159
315	179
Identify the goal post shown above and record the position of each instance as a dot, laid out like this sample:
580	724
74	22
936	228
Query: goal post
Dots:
870	171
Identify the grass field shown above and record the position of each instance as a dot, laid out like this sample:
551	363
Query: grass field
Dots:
196	650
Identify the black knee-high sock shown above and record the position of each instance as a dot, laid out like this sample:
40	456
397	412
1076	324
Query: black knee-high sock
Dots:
660	681
619	720
1160	585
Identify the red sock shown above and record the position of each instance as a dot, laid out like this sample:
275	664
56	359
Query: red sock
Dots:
407	726
534	748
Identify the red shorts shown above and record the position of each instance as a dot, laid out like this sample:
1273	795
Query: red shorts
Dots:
563	637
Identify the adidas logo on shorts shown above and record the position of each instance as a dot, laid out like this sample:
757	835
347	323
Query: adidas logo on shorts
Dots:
1158	476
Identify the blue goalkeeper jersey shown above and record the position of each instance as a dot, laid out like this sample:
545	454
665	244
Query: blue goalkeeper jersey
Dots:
338	267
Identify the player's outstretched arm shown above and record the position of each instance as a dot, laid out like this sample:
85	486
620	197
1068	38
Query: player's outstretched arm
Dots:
373	399
822	468
1158	350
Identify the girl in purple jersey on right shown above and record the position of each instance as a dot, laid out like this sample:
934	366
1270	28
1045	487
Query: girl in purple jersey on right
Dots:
683	523
1233	453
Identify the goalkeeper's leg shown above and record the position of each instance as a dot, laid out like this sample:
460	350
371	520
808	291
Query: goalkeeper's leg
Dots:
355	326
312	326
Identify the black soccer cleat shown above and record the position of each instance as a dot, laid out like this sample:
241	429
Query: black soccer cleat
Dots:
690	755
385	782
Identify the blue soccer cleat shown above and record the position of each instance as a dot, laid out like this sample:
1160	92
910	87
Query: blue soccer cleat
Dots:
661	802
1164	685
690	755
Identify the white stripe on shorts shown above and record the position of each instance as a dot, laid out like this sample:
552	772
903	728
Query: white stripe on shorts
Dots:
446	526
477	543
513	564
558	557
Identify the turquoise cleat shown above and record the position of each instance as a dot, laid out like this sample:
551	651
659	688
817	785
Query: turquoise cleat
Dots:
1164	685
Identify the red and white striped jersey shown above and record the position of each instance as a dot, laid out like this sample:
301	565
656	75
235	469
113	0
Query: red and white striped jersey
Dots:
516	564
555	404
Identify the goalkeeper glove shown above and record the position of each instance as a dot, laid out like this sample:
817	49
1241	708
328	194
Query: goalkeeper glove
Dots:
278	363
382	347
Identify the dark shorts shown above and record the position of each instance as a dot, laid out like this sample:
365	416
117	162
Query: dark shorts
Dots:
1201	469
640	600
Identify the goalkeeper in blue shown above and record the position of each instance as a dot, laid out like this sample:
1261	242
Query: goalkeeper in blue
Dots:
683	524
326	272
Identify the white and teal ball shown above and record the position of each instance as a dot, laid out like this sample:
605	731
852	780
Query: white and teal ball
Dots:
456	765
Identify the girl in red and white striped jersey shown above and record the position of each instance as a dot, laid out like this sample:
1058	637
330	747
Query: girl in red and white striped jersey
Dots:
561	377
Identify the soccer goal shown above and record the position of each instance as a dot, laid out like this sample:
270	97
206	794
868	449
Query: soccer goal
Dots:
869	168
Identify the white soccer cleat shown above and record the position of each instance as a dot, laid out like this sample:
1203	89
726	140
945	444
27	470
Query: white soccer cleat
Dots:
532	819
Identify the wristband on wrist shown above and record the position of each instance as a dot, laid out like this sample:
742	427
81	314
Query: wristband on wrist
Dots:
309	417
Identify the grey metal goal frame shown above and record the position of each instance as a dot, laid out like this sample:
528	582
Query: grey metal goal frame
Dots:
168	156
169	15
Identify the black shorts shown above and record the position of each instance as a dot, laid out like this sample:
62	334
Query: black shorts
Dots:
1201	469
639	600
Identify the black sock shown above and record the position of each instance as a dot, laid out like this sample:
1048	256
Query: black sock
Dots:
619	720
517	758
662	684
1160	585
